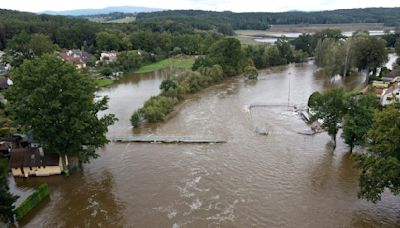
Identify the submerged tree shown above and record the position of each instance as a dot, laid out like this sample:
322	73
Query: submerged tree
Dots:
329	107
381	164
369	53
358	119
6	198
55	101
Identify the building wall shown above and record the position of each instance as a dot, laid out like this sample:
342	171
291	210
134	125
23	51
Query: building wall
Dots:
36	171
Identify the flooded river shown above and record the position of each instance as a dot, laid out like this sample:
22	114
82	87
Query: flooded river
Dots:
281	180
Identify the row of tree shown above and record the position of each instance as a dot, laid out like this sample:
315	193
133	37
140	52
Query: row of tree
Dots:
365	123
175	89
261	21
360	52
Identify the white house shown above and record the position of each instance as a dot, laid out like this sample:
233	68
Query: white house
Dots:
391	94
109	56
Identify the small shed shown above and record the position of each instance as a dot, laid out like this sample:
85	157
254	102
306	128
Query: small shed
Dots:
31	161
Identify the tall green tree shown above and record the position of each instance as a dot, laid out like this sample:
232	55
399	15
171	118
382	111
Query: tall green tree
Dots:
228	54
369	53
40	44
55	101
358	119
7	200
330	107
397	47
381	164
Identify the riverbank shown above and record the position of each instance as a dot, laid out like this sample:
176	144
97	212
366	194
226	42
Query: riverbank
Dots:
184	62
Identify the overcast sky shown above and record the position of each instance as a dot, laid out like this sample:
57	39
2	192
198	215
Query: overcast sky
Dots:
218	5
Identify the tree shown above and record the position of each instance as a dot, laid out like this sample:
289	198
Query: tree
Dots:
41	44
358	119
380	165
7	200
306	43
369	53
285	49
55	101
330	107
228	54
107	41
397	47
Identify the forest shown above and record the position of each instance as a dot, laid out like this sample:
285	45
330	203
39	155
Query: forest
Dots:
259	21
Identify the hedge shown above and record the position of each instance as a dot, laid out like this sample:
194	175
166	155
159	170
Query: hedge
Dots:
32	201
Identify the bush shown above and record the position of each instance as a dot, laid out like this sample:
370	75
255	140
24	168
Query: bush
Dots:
32	201
251	73
135	119
157	108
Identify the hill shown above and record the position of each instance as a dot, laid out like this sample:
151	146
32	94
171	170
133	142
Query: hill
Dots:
260	20
107	10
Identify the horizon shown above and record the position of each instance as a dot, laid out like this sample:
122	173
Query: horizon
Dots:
207	5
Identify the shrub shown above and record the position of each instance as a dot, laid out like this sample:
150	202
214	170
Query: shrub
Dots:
157	108
135	119
32	201
251	73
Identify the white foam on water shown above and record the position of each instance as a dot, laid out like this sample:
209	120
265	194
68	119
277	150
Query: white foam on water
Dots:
196	204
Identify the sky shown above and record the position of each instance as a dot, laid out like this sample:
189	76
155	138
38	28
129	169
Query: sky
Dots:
215	5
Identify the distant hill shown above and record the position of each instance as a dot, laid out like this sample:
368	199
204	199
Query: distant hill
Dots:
262	20
85	12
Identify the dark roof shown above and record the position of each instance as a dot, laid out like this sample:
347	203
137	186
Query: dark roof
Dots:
30	157
393	74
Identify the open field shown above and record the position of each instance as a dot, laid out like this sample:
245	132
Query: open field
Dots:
186	62
122	20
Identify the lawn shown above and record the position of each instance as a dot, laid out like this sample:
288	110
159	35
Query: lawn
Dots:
103	82
170	62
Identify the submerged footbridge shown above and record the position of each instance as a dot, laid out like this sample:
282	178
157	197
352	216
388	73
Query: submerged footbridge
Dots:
168	139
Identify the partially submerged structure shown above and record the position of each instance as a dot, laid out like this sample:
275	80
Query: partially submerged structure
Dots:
29	161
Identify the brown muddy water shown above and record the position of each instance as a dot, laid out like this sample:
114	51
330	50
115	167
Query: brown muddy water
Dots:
281	180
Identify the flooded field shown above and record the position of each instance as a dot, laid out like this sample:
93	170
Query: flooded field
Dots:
281	180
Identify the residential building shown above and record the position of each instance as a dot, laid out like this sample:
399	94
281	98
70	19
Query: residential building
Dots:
391	94
29	161
109	56
77	57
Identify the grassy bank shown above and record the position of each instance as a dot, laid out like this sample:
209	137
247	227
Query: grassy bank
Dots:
170	62
103	82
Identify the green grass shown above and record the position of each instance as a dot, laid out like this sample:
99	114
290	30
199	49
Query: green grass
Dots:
103	82
170	62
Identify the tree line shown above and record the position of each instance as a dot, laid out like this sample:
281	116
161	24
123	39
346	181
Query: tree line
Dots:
262	21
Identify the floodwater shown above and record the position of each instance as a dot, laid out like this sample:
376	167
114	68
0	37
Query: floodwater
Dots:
273	36
281	180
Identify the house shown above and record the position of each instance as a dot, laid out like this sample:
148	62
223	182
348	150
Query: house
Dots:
77	57
109	56
392	76
5	82
29	161
391	94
